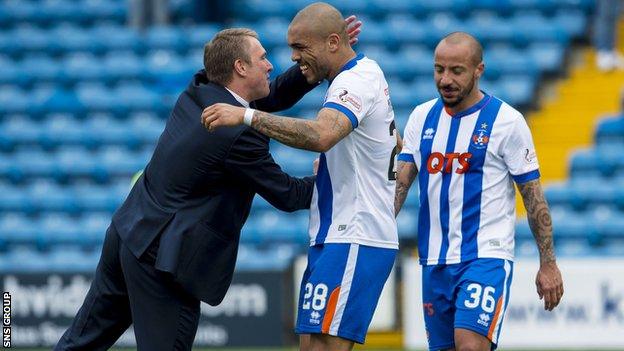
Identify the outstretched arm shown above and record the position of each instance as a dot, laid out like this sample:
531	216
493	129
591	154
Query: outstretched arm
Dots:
317	135
548	281
406	173
249	160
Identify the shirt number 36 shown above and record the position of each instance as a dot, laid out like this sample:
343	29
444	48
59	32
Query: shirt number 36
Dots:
481	296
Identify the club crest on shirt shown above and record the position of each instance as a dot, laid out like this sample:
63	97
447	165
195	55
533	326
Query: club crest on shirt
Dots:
348	98
481	138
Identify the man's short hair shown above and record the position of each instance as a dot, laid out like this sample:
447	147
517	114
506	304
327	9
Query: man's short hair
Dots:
220	53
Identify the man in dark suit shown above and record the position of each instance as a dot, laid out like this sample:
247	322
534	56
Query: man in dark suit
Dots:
174	240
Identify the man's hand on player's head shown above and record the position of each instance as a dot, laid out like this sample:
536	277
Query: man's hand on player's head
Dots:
222	115
549	284
353	29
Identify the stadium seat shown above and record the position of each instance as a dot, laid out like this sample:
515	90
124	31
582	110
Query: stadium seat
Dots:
118	161
96	198
93	226
136	97
532	5
11	73
254	9
166	38
407	224
490	29
441	23
547	56
571	226
104	129
511	62
13	100
586	162
517	90
76	162
25	259
8	171
47	70
146	126
17	229
272	32
47	196
105	10
376	34
71	259
293	161
32	39
199	35
120	65
35	163
165	68
116	38
610	130
574	22
19	129
72	39
59	229
80	66
531	27
61	129
274	226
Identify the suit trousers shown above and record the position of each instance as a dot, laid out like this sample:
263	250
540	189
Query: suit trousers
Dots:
126	291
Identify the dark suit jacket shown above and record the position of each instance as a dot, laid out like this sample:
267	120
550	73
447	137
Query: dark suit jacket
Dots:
196	192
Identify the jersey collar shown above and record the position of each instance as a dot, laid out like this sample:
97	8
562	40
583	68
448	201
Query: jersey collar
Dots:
474	108
350	64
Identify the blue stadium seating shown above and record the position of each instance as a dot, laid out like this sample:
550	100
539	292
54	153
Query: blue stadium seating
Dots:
114	37
17	230
83	100
610	130
166	38
199	35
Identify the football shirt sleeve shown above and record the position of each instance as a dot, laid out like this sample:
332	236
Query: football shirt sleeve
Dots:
351	94
410	151
519	153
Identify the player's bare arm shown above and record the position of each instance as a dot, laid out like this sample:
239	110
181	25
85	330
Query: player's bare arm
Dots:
406	173
548	281
317	135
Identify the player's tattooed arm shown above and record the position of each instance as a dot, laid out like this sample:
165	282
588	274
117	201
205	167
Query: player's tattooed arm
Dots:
539	218
317	135
548	281
406	173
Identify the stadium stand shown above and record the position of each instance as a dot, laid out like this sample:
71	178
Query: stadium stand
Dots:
83	99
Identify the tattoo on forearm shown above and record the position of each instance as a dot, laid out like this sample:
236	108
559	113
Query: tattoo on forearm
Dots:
404	181
290	131
539	218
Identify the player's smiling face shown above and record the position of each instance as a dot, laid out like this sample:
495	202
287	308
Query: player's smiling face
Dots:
455	73
309	52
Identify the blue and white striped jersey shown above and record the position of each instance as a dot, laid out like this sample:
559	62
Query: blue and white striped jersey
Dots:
466	165
353	199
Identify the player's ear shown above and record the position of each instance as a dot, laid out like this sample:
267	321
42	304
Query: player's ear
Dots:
479	70
240	67
333	42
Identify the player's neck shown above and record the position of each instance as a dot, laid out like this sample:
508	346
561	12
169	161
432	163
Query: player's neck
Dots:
239	87
341	60
475	96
